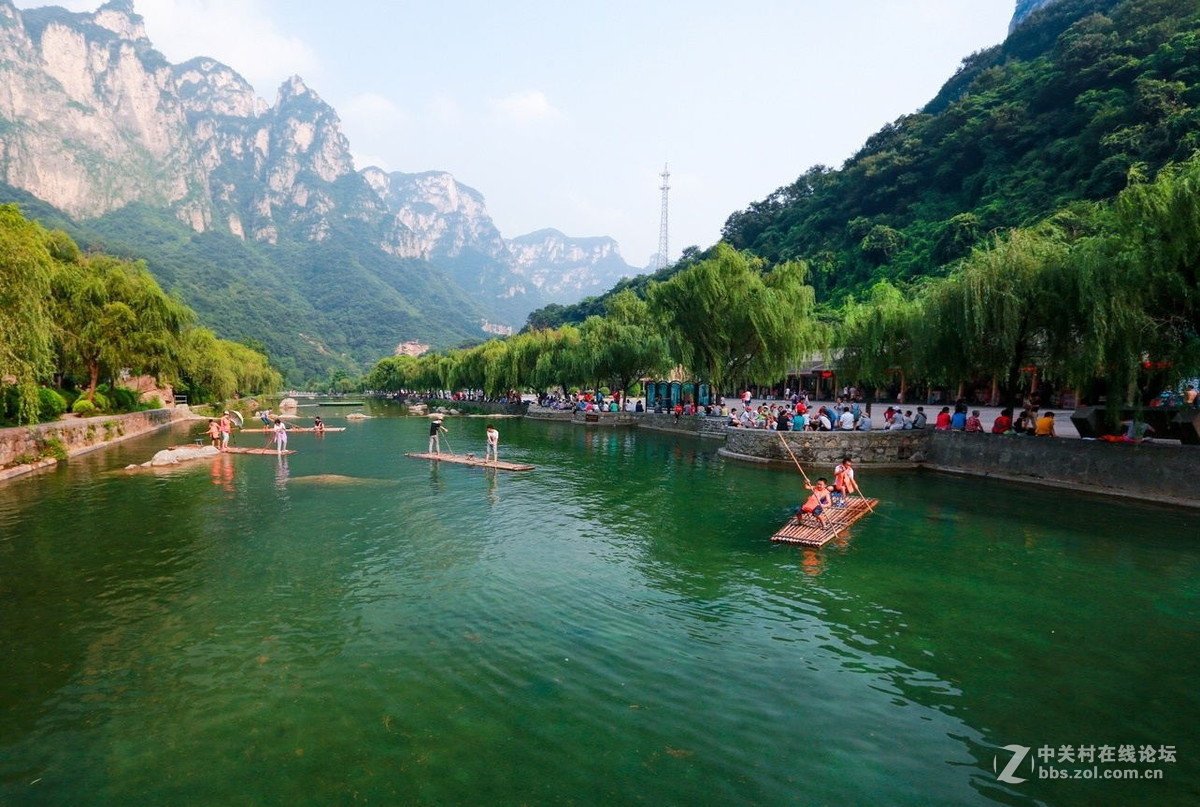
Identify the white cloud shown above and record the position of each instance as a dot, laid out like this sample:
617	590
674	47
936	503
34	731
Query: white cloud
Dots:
374	112
525	108
444	111
238	33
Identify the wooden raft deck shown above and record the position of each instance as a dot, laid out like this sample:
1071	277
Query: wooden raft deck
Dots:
810	533
243	450
470	459
300	429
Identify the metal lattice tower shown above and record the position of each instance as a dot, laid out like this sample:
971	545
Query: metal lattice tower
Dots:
664	244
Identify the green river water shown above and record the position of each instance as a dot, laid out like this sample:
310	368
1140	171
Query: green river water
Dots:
350	626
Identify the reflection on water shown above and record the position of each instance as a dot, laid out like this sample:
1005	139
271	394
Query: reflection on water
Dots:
349	624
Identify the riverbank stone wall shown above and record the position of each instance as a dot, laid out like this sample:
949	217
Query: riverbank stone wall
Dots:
1164	472
78	435
889	449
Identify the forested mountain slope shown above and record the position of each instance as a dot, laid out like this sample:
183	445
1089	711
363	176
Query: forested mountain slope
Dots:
1077	98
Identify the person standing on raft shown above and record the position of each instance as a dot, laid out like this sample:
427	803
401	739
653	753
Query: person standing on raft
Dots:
816	504
226	430
280	429
493	445
435	427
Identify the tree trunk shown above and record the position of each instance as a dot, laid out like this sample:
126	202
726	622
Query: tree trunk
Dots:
93	380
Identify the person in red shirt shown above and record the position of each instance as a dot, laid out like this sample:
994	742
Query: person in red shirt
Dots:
1003	422
943	420
817	502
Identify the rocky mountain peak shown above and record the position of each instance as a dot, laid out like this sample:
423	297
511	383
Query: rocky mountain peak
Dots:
206	85
119	17
102	120
294	88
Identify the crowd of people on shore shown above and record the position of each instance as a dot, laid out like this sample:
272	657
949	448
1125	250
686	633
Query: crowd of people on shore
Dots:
849	413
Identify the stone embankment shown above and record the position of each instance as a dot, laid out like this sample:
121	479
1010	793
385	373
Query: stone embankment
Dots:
1155	471
27	448
887	449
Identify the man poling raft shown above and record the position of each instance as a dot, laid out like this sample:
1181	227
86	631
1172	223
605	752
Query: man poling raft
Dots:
491	450
827	512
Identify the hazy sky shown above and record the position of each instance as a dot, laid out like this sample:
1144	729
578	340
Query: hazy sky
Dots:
563	114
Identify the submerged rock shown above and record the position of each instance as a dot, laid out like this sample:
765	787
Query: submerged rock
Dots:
178	454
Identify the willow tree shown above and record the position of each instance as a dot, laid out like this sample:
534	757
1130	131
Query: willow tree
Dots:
1007	305
253	369
1141	283
26	268
726	321
111	314
625	345
491	367
205	368
393	373
877	336
525	348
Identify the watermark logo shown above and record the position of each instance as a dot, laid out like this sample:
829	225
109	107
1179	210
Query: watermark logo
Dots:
1082	761
1019	752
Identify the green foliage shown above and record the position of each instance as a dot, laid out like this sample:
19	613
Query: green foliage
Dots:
51	405
120	399
1063	111
54	447
1101	292
26	267
83	407
877	334
314	307
728	322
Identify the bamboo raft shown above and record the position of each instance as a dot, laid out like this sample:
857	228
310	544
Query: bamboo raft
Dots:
301	429
471	459
810	533
242	450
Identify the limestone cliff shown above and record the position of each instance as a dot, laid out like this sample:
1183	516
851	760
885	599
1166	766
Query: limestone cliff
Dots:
93	119
447	222
89	120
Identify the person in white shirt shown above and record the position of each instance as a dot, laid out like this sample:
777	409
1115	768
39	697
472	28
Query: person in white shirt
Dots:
846	421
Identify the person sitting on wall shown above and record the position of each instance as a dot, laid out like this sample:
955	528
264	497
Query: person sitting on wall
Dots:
974	424
919	419
942	423
1045	425
824	424
1003	423
639	406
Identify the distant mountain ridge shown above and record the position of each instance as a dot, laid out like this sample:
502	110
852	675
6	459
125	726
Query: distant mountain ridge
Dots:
93	119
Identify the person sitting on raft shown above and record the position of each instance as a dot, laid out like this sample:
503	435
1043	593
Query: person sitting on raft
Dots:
843	482
816	504
318	425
